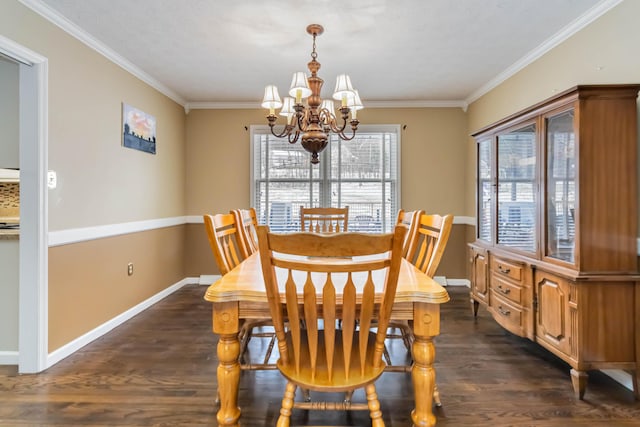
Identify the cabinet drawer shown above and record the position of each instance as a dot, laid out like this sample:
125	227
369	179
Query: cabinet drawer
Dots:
506	289
508	269
506	314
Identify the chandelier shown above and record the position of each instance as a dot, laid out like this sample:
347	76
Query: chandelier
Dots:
312	123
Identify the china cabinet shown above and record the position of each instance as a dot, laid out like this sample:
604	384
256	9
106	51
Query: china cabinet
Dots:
555	256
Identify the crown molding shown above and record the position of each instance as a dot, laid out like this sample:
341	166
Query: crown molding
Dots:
578	24
55	18
369	104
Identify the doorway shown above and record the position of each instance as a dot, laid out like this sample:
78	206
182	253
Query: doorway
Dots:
33	269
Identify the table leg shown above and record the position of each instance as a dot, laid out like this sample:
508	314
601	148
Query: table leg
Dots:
426	323
226	324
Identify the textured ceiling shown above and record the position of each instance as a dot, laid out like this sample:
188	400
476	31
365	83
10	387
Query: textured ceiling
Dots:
394	50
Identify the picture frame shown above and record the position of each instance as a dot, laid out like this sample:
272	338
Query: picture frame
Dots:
138	129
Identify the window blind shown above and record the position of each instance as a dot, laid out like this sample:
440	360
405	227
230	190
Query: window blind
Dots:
361	173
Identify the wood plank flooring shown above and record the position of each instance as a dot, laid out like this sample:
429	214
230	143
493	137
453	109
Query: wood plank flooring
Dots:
158	369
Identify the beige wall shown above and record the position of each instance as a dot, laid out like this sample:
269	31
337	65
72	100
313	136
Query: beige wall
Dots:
100	182
89	285
433	153
433	167
603	52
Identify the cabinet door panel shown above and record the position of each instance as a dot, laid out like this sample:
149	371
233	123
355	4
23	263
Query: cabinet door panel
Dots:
517	187
479	282
561	186
485	190
553	313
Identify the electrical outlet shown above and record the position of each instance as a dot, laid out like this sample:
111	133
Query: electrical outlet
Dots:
130	269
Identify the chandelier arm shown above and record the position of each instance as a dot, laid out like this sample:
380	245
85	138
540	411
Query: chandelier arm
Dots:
285	132
293	137
303	119
354	128
335	128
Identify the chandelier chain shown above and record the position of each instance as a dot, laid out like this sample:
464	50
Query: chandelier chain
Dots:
314	55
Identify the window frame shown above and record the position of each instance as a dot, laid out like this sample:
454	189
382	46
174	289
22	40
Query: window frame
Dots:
325	164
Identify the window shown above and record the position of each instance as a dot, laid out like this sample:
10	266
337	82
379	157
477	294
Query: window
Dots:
362	173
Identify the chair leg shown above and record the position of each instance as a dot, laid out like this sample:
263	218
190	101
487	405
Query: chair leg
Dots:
287	404
347	397
374	406
387	357
436	395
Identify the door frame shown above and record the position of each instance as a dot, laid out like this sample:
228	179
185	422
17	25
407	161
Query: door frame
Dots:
33	275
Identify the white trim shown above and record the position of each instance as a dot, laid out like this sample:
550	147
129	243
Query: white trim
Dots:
620	376
459	282
33	269
464	220
56	18
578	24
441	280
369	104
638	247
18	52
195	219
208	279
101	330
8	358
75	235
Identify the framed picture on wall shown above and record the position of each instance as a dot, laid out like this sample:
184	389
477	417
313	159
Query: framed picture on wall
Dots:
138	129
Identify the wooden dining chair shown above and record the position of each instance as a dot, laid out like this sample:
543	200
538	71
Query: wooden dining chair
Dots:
408	220
229	250
426	246
429	242
247	221
225	241
324	220
320	356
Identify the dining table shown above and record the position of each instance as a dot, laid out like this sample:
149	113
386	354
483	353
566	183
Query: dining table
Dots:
240	295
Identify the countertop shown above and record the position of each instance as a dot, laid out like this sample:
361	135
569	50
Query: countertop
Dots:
10	234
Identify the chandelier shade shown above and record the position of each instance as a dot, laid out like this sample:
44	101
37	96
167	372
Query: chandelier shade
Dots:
271	98
310	118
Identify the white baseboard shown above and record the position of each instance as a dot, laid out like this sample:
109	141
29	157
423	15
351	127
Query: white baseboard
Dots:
8	357
208	279
459	282
90	336
620	376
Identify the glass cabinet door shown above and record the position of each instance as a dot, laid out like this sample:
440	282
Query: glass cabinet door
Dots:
561	186
485	190
517	165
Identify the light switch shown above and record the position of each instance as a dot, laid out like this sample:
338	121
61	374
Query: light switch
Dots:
52	179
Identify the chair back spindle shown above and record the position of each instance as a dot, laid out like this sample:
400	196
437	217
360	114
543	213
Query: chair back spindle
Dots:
409	220
247	221
324	220
225	241
319	355
429	242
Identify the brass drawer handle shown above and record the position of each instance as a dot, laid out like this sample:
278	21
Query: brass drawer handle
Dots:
501	269
503	311
503	290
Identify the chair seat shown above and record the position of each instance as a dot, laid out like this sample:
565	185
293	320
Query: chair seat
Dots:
339	382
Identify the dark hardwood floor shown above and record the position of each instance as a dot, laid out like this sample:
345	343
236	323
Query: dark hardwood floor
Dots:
158	369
